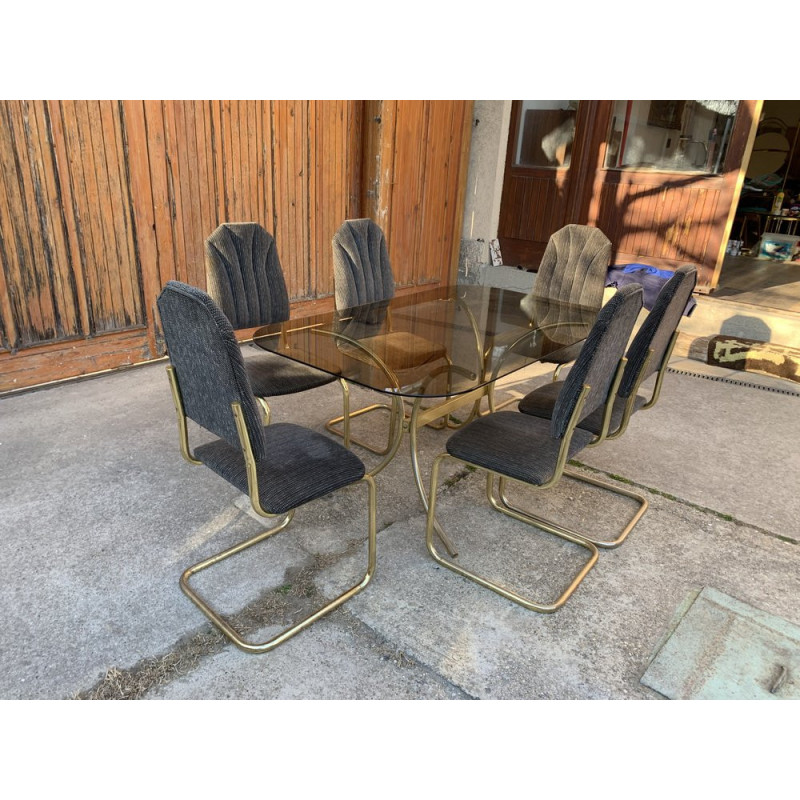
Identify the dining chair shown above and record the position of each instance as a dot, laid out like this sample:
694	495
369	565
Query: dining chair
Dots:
573	269
509	446
280	467
649	353
362	276
245	279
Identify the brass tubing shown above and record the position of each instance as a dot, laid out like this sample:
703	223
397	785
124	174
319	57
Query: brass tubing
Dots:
395	432
661	372
264	647
183	431
509	594
631	401
413	426
252	480
607	544
608	407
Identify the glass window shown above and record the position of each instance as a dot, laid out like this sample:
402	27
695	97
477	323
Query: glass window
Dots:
674	135
545	133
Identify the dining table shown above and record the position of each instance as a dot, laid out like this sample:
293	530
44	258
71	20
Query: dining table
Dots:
429	352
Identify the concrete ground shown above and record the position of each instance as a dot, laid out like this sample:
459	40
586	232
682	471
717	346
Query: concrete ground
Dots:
99	515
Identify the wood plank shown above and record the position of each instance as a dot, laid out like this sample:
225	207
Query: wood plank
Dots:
196	198
174	186
98	212
36	313
270	171
143	216
318	198
118	225
230	177
159	185
56	361
42	318
11	245
67	209
57	252
407	176
217	148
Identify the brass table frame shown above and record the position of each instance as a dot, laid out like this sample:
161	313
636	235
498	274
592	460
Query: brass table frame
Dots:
420	415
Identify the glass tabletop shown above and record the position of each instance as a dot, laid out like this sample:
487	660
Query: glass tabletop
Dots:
438	342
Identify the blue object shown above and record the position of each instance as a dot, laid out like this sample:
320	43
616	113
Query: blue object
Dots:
662	273
651	279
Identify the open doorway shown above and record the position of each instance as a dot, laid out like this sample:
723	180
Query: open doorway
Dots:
763	269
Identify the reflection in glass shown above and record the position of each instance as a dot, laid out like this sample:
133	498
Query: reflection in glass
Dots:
673	135
545	133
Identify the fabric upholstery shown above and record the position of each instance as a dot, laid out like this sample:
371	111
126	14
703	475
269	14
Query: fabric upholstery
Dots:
272	375
300	465
210	369
294	465
245	279
526	447
599	357
655	332
513	444
244	275
573	267
361	270
659	326
540	402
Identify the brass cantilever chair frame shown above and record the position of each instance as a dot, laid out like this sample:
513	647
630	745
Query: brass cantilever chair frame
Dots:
243	424
649	352
603	350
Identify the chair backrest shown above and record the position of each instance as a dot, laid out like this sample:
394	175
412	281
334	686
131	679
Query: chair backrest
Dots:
244	275
574	266
208	364
361	269
599	358
657	329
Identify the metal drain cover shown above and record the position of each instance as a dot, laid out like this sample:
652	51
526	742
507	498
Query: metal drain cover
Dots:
724	649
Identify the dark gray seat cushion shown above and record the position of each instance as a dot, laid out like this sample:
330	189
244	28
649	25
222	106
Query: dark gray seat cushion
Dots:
540	402
515	445
272	375
300	465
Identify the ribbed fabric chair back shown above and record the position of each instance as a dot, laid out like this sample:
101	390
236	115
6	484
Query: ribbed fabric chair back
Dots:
208	363
244	275
361	269
604	347
658	328
574	266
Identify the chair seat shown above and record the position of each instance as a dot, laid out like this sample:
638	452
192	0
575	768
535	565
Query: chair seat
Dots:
516	445
399	350
272	375
301	465
540	402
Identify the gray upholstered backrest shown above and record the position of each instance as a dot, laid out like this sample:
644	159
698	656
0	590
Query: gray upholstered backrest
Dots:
208	364
574	266
657	329
599	358
244	275
361	269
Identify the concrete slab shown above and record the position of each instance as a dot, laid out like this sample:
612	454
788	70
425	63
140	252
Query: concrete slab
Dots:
598	645
99	515
723	649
